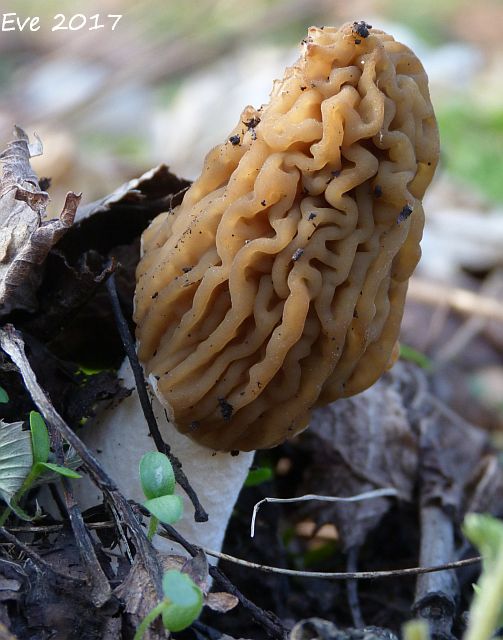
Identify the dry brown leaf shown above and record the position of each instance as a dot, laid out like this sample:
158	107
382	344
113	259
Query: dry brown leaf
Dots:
360	444
25	239
221	601
140	598
398	435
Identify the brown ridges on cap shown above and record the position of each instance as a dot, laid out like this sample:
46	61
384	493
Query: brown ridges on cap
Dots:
279	282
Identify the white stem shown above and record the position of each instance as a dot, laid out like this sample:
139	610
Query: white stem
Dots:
120	437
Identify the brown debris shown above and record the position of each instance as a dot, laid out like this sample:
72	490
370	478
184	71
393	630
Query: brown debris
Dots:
25	239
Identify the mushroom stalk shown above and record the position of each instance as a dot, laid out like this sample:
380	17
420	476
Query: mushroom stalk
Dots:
120	437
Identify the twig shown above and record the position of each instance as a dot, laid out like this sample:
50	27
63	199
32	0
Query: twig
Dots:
12	343
343	575
200	514
100	587
266	619
367	495
70	581
352	589
491	288
462	300
436	593
52	528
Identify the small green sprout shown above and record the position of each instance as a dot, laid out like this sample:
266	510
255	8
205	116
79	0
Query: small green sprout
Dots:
183	599
258	476
416	630
486	612
412	355
40	444
181	605
157	480
4	397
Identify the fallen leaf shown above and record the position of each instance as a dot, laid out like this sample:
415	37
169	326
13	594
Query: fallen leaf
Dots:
360	444
25	239
221	601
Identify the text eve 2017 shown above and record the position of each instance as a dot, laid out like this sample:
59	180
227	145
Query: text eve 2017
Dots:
59	22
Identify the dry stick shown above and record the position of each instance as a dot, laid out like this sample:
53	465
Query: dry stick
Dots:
462	300
200	514
436	593
100	587
12	343
265	619
52	528
352	588
69	581
492	287
344	575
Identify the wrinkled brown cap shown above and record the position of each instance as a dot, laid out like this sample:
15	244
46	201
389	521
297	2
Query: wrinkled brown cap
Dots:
278	284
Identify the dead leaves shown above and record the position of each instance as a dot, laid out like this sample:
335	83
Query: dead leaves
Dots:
397	435
25	239
197	569
360	444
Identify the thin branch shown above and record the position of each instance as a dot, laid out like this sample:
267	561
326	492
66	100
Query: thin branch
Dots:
367	495
200	514
352	588
436	593
462	300
100	587
72	582
53	528
343	575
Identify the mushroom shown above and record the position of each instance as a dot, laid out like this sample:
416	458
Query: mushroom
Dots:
278	285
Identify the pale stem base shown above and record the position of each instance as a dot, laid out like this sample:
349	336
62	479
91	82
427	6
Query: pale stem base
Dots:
119	436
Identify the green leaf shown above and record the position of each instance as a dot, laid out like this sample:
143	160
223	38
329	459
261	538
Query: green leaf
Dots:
258	476
156	475
4	397
16	458
39	438
185	600
21	513
62	471
167	509
71	461
416	630
486	611
486	533
408	353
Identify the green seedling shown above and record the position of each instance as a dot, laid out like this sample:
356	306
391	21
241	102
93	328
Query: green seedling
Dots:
4	397
258	476
416	630
412	355
157	480
181	605
41	449
486	612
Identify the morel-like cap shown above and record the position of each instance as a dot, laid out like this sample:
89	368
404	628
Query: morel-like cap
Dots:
278	284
